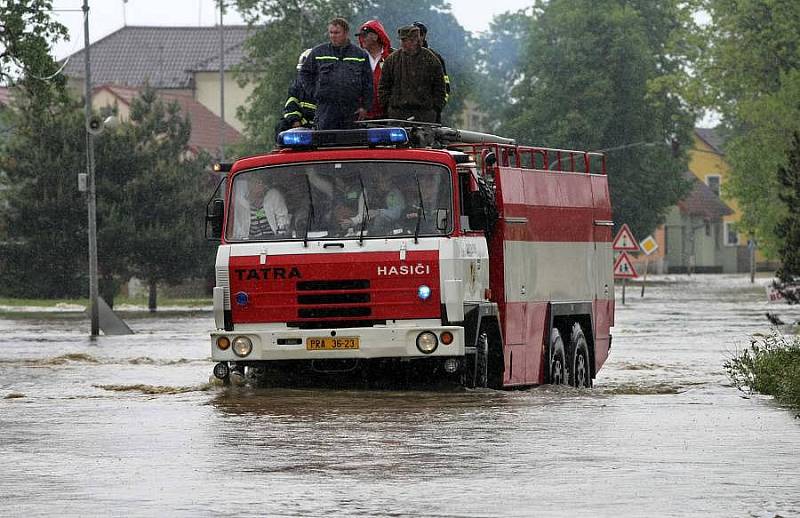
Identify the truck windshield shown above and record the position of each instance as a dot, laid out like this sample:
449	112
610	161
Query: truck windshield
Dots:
340	200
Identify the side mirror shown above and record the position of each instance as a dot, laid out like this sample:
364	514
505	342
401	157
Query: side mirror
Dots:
441	220
477	211
215	211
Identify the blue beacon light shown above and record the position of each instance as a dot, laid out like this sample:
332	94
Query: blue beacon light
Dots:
423	292
293	138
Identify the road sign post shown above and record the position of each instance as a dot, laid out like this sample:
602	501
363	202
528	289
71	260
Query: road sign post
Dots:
623	269
648	245
624	242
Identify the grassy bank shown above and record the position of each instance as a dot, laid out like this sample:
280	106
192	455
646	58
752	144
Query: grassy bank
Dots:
771	365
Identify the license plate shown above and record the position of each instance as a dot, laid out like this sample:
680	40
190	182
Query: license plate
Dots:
331	343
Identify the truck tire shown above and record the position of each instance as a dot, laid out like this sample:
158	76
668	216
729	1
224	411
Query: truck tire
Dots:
488	367
557	374
580	374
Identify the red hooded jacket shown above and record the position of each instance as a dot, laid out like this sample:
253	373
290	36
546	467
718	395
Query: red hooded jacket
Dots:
375	26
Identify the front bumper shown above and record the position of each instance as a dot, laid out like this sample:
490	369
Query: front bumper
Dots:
374	342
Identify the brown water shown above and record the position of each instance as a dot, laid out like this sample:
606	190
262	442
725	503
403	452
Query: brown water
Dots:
130	426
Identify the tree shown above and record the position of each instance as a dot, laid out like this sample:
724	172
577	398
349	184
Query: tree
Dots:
600	75
499	62
788	230
45	252
163	203
750	73
26	33
149	200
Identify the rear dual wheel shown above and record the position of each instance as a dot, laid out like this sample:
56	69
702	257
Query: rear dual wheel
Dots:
557	371
580	374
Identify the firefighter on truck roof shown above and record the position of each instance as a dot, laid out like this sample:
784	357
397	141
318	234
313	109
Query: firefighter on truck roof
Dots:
412	83
339	76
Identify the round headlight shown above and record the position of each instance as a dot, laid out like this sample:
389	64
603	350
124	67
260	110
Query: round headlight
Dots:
423	292
427	342
223	342
242	346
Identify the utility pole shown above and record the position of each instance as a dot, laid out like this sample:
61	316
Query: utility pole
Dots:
221	83
92	193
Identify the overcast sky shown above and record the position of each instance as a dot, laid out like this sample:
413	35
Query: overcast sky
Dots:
106	16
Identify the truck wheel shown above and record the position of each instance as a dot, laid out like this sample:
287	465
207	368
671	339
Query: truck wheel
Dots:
580	374
487	368
558	375
480	376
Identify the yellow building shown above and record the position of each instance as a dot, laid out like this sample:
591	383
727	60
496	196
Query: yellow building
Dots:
700	233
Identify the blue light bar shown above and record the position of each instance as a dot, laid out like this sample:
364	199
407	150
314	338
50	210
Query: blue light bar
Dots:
377	136
304	138
296	138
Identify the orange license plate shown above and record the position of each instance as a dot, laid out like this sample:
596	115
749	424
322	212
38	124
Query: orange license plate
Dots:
331	343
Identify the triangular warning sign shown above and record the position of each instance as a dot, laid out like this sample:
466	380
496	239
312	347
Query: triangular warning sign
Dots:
623	267
625	242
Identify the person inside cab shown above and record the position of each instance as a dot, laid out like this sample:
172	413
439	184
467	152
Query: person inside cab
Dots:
386	207
260	211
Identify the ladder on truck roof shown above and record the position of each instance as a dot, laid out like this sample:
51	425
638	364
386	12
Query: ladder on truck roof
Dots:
485	148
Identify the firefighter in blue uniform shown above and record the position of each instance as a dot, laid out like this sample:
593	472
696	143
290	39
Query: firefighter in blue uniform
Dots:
299	110
338	76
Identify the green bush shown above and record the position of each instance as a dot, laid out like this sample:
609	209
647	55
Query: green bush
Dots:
771	365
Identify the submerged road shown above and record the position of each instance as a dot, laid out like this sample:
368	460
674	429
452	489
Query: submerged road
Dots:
129	426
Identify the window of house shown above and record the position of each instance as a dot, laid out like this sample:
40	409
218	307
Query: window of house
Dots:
713	181
731	236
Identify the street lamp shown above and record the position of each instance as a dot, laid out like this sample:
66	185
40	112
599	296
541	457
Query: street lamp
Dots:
92	193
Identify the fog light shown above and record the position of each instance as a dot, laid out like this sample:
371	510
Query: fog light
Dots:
221	370
242	346
446	337
427	342
223	342
451	365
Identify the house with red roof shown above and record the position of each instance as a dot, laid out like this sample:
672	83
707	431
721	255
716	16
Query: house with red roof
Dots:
182	64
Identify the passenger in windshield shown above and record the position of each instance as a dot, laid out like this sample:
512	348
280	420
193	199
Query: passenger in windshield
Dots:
431	202
387	205
262	212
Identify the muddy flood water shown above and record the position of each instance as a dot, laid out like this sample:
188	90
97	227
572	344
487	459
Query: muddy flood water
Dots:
130	426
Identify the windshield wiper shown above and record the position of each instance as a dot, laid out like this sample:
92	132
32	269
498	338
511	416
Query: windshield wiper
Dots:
365	218
310	215
420	209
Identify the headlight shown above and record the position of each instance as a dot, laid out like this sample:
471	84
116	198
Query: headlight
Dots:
242	346
426	342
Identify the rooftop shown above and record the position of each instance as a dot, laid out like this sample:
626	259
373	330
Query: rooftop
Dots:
205	125
713	137
164	56
702	201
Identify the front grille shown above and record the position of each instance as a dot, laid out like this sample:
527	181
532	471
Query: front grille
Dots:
339	299
334	298
334	312
346	284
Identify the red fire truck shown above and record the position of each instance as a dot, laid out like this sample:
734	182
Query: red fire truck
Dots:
445	253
